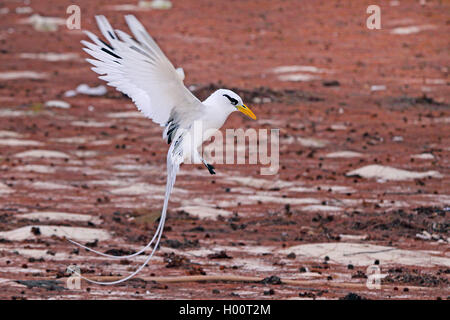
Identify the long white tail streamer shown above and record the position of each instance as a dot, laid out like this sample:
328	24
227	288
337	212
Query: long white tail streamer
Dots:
174	160
113	256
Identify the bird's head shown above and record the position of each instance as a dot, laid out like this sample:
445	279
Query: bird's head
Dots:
230	101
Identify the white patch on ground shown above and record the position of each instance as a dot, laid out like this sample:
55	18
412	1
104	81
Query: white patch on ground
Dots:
242	190
110	183
57	104
20	270
90	124
123	115
85	153
76	233
379	87
423	156
338	189
49	186
323	208
3	280
297	73
296	77
411	29
24	10
8	113
9	134
100	142
137	167
426	236
205	212
199	201
85	89
344	154
86	170
37	253
305	275
139	189
365	254
13	75
4	189
389	173
58	216
74	140
287	140
246	294
277	123
259	100
281	200
41	23
231	200
303	189
440	199
50	56
436	81
351	202
42	154
350	237
338	127
143	6
386	204
35	168
19	143
257	250
425	121
260	183
126	7
92	91
155	4
203	201
192	39
312	142
286	69
254	264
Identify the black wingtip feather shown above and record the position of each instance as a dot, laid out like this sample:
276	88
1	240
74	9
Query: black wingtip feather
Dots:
107	44
111	53
111	35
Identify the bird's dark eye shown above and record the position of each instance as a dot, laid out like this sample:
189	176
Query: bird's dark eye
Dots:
232	100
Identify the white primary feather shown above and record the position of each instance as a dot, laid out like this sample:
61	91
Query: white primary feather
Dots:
139	69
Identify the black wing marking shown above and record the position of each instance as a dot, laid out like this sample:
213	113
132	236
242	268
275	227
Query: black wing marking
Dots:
171	130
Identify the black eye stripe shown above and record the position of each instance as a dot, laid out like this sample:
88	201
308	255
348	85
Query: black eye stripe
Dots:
232	100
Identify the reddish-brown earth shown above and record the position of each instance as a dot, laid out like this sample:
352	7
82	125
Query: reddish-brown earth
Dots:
310	222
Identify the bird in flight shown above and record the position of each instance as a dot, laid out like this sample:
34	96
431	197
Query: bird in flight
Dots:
137	67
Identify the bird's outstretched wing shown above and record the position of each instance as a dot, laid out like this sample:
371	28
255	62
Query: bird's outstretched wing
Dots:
138	68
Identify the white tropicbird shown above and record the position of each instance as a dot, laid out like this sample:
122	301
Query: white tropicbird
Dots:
138	68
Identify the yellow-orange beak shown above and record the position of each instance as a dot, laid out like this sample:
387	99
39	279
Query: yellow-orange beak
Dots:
246	110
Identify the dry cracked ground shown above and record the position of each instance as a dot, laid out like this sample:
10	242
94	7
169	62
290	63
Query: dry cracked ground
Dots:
362	191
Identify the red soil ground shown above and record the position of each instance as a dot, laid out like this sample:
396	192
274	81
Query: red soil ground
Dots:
236	44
